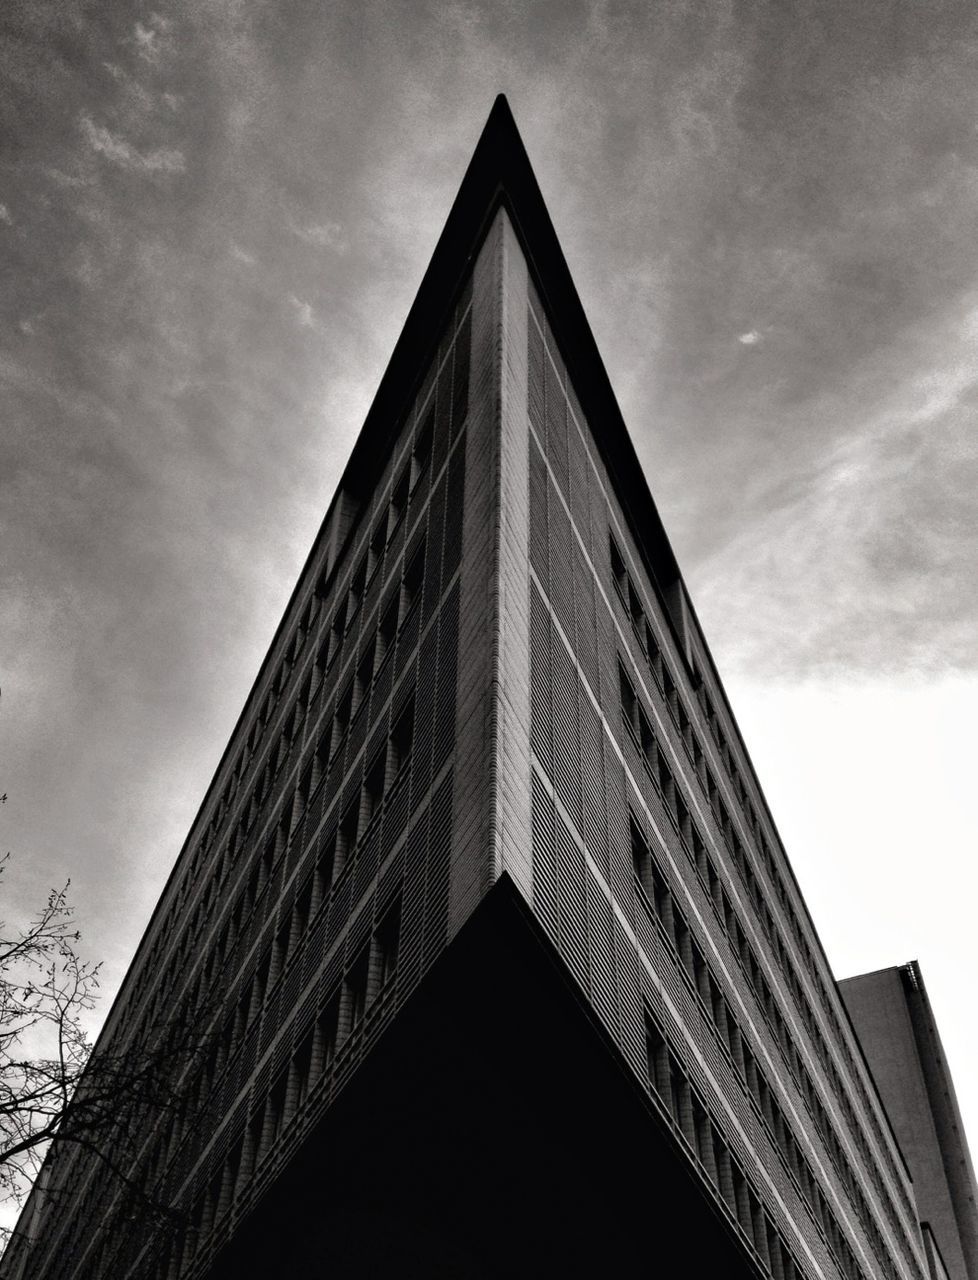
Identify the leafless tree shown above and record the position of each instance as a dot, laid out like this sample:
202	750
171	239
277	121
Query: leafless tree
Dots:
46	989
56	1094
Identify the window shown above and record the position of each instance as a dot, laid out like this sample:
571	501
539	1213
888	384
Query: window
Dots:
666	784
375	552
282	945
302	911
619	573
387	631
388	938
357	587
374	783
652	653
364	675
275	1113
401	738
399	500
341	717
421	455
302	793
635	610
356	990
651	880
325	866
346	838
647	741
324	1042
259	987
413	581
658	1058
302	1068
629	702
337	631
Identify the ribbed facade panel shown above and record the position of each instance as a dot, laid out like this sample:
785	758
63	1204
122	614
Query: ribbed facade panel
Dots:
648	854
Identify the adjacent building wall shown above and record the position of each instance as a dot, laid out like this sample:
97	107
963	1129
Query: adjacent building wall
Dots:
893	1018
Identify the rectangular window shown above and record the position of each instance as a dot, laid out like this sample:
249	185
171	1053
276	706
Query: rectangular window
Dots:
337	631
275	1115
413	582
346	839
374	784
341	717
387	630
357	587
658	1058
302	794
302	912
388	939
629	702
619	574
364	675
647	741
378	541
399	501
302	1068
421	455
401	738
325	867
356	990
327	1027
635	610
652	653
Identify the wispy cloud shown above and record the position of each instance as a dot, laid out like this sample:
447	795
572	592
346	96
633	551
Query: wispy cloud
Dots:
124	154
303	311
5	215
328	235
152	38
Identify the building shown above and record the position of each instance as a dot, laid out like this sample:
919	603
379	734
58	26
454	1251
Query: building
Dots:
892	1015
512	974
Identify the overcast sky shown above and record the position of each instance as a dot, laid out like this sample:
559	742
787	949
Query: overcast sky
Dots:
214	215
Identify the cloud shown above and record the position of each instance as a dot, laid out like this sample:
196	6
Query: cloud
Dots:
241	255
304	312
864	565
5	215
152	40
124	154
324	236
749	339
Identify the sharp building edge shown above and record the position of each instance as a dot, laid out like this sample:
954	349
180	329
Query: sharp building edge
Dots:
498	962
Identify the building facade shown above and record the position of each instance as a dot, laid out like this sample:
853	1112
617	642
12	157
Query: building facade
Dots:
500	961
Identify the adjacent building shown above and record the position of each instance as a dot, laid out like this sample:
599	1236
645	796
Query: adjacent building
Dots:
499	961
892	1015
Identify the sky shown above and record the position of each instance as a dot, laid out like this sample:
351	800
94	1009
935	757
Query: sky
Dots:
214	216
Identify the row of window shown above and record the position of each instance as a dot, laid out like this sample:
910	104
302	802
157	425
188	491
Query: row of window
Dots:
381	776
387	524
336	853
756	892
654	892
719	1164
368	978
376	650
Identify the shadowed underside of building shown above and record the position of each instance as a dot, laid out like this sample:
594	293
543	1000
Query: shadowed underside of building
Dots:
501	964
